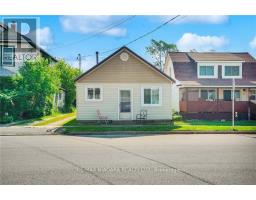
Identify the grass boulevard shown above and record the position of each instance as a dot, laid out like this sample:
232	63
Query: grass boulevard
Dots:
73	126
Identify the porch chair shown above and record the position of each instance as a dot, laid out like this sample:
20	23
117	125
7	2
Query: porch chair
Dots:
102	118
143	115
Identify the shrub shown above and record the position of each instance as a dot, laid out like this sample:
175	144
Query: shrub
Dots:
67	78
176	116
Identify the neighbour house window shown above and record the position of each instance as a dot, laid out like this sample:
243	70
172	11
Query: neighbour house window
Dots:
151	96
232	71
94	94
253	95
208	95
227	95
206	71
7	56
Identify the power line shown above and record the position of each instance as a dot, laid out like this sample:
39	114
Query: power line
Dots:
107	28
140	37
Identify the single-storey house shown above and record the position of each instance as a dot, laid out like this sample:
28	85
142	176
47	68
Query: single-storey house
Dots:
203	88
121	86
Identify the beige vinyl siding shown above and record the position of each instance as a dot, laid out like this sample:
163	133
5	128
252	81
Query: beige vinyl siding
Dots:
117	71
86	110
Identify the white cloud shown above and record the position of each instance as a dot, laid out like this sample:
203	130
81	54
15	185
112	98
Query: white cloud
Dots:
45	37
91	24
253	43
202	19
191	41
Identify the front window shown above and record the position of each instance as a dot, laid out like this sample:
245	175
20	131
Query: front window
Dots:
208	95
151	96
94	94
8	56
232	71
206	71
253	95
227	95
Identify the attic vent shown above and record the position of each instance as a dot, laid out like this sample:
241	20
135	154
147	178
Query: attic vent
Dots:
124	56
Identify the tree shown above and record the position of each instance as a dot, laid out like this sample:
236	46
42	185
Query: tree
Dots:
38	83
158	50
67	78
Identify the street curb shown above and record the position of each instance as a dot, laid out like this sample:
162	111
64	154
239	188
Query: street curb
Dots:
155	132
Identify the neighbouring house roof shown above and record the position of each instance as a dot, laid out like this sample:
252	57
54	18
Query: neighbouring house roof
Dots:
213	56
12	36
133	53
185	68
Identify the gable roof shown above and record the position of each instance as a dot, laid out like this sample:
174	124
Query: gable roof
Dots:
12	35
133	53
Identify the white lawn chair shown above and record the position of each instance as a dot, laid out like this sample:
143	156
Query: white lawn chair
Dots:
102	118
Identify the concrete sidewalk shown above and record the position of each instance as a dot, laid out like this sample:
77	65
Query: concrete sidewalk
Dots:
23	130
55	130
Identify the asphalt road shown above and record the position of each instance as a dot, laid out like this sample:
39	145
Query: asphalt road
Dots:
126	159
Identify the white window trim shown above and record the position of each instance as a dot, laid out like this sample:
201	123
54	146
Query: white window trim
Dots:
230	77
5	65
208	94
215	75
151	87
93	100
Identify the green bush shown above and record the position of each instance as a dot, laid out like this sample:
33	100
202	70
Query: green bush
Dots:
176	116
67	78
30	93
7	119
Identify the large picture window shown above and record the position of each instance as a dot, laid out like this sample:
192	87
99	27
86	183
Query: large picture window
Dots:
94	94
7	56
151	96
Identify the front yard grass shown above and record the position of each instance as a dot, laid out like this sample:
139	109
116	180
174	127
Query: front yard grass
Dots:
190	125
53	119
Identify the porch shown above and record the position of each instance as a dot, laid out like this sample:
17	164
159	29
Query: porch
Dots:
215	103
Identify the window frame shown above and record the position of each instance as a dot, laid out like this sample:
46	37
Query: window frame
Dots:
151	88
215	70
208	99
2	54
231	92
232	65
94	88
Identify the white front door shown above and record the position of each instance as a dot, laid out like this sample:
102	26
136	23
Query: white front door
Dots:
125	104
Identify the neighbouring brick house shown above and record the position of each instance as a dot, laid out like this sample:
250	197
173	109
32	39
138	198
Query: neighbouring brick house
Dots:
203	88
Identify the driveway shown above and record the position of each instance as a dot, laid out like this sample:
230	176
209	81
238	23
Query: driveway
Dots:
127	159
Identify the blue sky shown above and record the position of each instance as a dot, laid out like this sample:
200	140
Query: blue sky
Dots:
65	36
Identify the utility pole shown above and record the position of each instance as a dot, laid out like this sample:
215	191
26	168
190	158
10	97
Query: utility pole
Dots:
233	104
79	61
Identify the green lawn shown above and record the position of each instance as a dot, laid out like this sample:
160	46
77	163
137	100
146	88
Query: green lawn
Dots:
190	125
30	121
52	119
